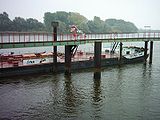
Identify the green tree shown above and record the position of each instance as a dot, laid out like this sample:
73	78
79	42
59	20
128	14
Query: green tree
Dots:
62	27
34	25
120	26
62	16
76	18
19	24
5	22
65	20
97	25
84	27
48	19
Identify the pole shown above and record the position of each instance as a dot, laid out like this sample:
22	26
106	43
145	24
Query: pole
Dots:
145	51
120	54
54	25
97	59
68	60
151	52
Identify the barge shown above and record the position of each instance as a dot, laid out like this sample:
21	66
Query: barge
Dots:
43	62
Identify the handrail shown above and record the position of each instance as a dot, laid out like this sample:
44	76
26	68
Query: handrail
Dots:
24	37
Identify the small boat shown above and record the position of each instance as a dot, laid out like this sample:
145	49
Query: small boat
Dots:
131	52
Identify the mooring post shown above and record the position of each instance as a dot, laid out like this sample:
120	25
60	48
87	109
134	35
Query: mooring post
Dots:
145	51
97	60
151	52
68	56
120	53
54	25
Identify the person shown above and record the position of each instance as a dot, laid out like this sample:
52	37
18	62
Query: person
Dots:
74	31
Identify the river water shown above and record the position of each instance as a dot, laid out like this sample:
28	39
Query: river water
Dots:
128	92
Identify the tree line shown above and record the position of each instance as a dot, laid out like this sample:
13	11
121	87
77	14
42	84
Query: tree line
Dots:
19	24
65	19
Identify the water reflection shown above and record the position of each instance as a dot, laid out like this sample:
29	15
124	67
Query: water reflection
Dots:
123	93
70	101
97	91
146	91
97	100
147	70
55	88
97	74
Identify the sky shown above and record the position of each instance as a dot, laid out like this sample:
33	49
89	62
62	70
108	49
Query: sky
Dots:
140	12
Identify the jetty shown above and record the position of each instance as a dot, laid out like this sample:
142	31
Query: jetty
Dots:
71	42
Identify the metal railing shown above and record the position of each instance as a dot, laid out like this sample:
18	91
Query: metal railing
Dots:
27	37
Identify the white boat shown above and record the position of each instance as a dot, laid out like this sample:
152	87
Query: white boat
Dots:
132	52
129	53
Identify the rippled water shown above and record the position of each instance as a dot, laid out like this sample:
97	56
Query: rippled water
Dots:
128	92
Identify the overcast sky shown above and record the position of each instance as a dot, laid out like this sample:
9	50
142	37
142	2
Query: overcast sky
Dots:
140	12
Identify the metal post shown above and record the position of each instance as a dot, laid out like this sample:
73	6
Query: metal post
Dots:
145	51
55	25
120	53
97	59
68	60
151	52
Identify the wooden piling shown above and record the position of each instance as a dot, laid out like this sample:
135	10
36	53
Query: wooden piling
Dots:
97	59
120	53
54	25
68	60
145	51
151	52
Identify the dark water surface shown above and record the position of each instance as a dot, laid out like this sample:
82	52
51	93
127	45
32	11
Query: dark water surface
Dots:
129	92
